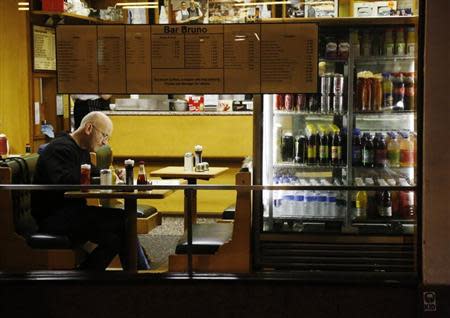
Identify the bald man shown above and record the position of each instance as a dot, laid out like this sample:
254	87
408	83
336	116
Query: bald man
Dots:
60	163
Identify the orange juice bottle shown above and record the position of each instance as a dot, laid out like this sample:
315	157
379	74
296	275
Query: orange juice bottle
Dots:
406	151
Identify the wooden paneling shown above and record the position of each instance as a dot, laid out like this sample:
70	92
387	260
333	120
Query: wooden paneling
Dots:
14	76
436	220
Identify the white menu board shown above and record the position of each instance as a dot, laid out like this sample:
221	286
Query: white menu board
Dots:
44	50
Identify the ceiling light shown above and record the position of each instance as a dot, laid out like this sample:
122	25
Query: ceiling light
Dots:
260	3
140	7
127	4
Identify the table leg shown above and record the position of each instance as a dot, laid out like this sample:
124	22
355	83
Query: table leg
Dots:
188	215
192	197
131	233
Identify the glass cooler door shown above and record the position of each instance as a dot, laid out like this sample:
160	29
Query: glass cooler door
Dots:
358	133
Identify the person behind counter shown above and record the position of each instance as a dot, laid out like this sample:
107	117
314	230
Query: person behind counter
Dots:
85	104
195	14
60	163
182	15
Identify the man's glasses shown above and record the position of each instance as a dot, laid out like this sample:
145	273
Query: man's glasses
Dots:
104	136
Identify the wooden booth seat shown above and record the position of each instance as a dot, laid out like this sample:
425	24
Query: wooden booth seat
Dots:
220	247
23	247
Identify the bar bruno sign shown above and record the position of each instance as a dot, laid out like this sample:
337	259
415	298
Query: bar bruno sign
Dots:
161	59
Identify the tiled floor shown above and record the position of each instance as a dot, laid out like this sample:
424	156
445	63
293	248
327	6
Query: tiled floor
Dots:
161	241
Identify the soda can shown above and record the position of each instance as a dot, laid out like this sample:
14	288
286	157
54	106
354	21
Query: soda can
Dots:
325	104
300	102
288	102
338	104
338	84
188	161
326	84
106	178
279	102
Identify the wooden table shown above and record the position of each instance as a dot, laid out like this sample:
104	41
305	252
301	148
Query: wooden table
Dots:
130	205
190	196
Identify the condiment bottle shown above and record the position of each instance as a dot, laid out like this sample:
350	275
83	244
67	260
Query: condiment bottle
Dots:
129	165
198	149
142	178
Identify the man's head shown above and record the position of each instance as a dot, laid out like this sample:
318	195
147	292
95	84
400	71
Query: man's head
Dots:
183	5
94	131
192	3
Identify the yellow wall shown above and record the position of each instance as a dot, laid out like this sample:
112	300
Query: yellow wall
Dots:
172	136
14	76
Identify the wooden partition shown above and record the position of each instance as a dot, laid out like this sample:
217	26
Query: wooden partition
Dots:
15	79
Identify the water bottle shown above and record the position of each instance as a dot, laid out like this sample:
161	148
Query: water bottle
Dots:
332	204
286	198
322	204
276	198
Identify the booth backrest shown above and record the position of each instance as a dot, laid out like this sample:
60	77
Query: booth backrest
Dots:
22	170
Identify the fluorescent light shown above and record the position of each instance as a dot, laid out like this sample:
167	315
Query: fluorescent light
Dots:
121	4
23	3
140	7
261	3
23	9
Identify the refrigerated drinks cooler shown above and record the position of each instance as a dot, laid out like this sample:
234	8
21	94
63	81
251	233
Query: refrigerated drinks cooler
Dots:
349	152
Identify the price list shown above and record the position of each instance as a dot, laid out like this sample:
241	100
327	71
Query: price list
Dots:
241	58
167	48
187	59
77	59
177	59
44	48
111	59
138	44
289	58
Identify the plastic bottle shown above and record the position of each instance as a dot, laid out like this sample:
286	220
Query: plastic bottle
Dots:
393	151
388	43
406	151
277	198
385	204
368	152
411	42
336	149
311	145
400	44
323	149
410	88
366	45
299	202
356	47
381	152
322	204
361	204
356	148
399	91
388	89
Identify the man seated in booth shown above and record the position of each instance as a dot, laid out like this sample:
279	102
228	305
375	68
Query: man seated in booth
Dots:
60	163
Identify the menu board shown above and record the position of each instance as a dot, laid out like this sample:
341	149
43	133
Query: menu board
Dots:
77	59
111	59
44	50
178	59
242	58
138	44
187	59
289	58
